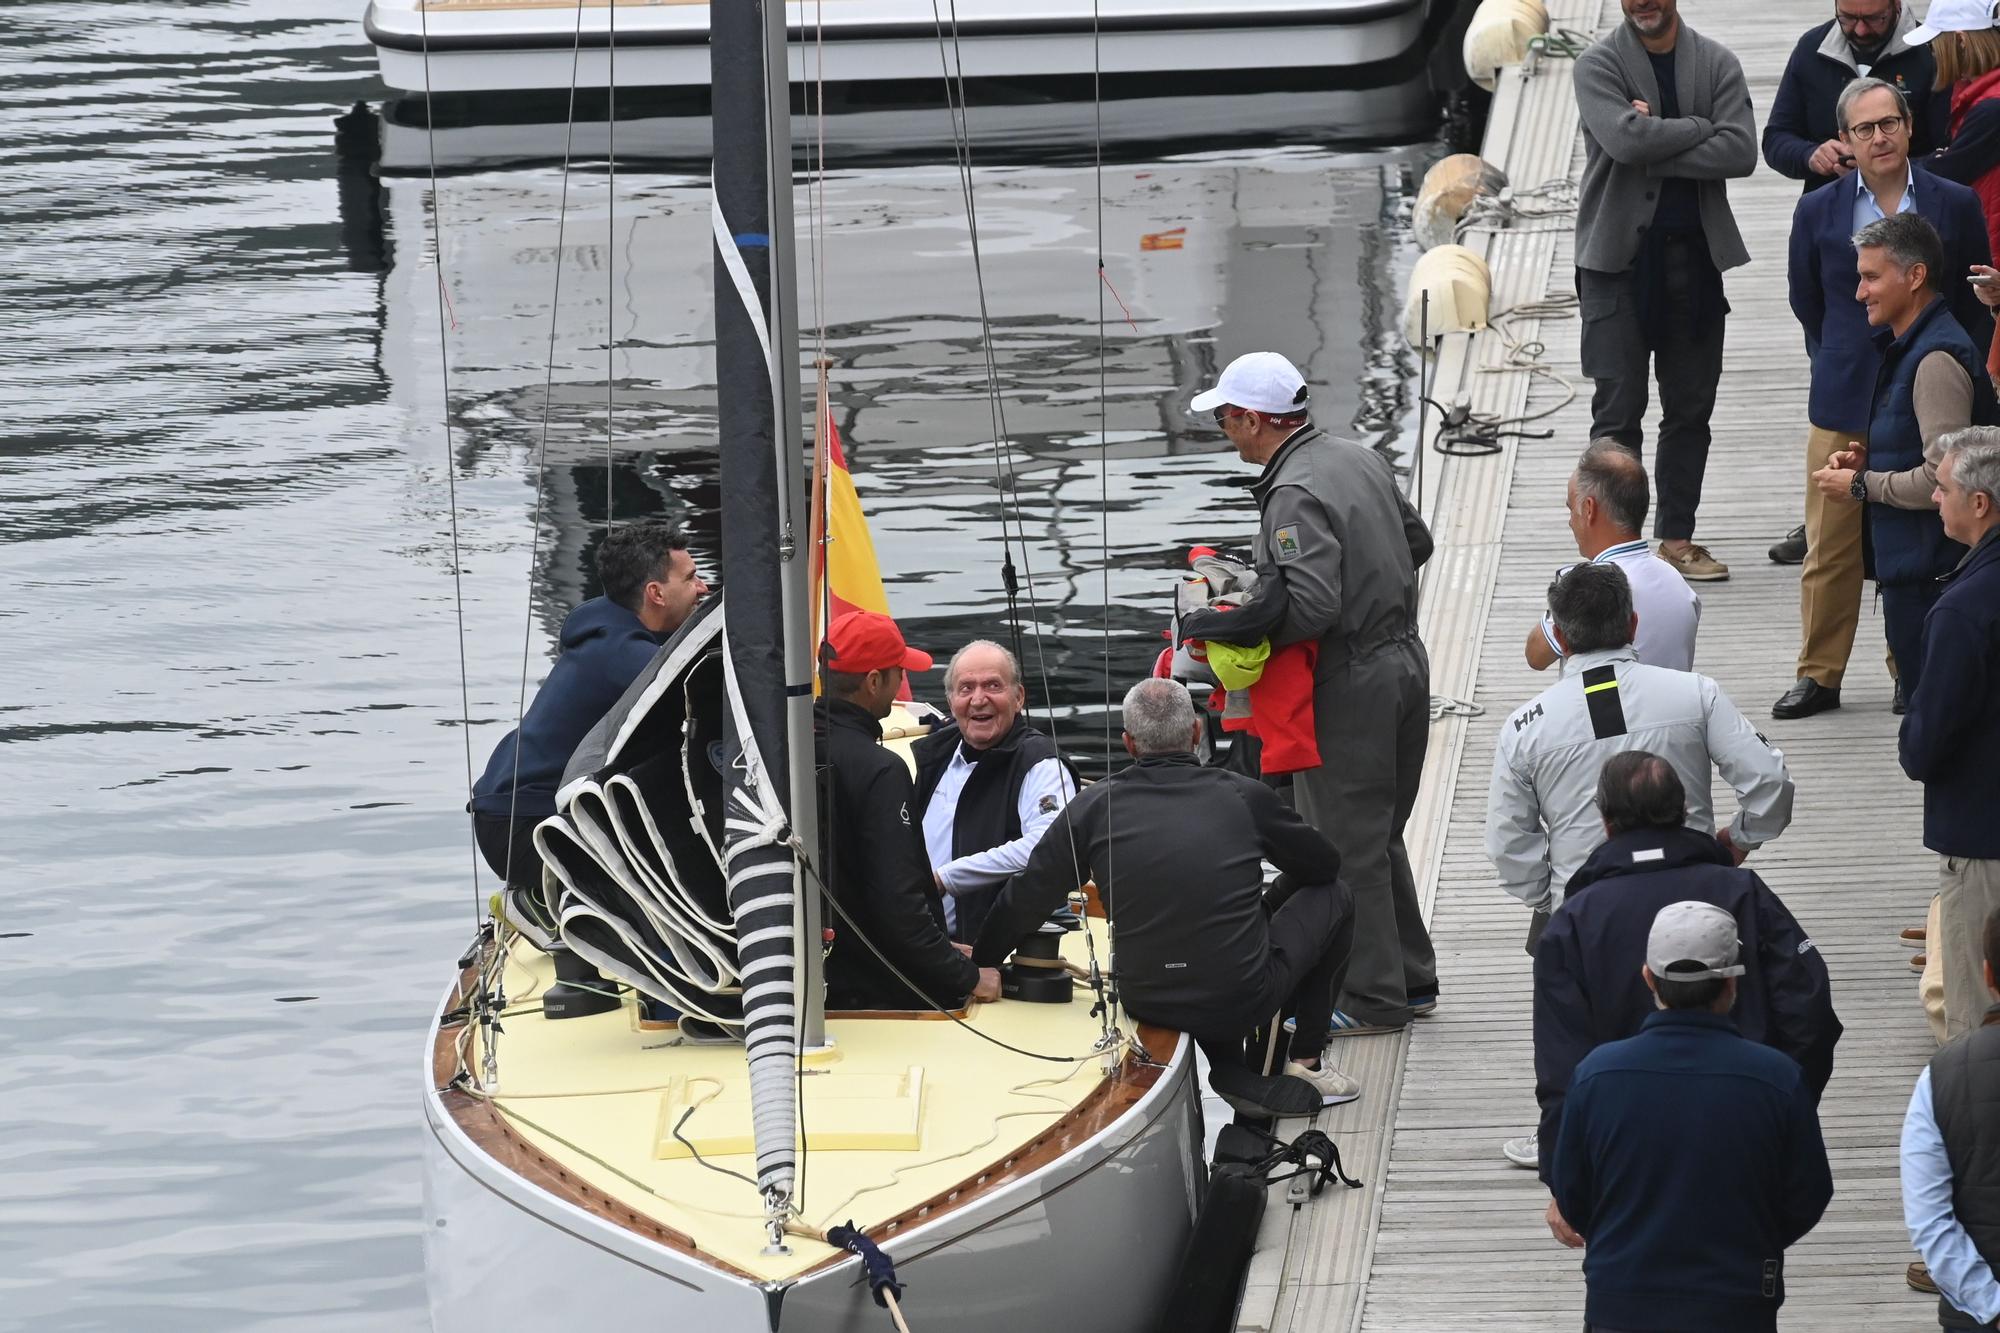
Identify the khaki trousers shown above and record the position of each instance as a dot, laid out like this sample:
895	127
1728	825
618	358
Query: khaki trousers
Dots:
1930	986
1830	582
1968	892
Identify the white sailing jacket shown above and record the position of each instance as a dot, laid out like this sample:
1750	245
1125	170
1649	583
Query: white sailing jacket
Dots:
1542	821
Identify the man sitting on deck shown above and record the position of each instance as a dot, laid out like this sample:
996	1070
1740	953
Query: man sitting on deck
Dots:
989	784
651	587
889	949
1177	853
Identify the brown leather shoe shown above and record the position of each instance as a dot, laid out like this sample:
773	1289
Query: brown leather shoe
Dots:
1694	563
1918	1275
1917	961
1915	937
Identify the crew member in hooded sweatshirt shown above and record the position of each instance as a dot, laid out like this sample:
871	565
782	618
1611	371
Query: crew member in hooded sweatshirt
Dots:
650	587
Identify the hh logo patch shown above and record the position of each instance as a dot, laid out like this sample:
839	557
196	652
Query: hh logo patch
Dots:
1047	805
1286	539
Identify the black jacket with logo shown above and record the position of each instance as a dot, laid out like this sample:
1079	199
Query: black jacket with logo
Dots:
873	854
1588	990
1177	851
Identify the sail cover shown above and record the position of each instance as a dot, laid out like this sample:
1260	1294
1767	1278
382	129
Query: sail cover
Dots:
632	867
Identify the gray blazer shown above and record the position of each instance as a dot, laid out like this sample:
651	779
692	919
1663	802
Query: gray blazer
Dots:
1625	153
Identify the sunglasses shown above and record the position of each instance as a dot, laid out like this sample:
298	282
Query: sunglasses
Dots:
1225	412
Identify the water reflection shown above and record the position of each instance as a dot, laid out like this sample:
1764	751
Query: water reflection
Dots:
557	288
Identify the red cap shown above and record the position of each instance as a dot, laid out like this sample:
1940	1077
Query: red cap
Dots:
864	641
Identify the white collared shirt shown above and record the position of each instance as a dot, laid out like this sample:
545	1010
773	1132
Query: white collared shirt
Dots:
1044	792
1669	610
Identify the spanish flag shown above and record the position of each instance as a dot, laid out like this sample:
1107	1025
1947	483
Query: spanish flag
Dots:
845	575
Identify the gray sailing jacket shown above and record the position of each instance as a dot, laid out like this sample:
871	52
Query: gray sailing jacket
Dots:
1625	154
1337	554
1542	821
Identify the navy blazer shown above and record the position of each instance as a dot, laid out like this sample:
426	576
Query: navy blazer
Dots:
1822	277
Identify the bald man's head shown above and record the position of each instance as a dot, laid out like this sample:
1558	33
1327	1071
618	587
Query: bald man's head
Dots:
1608	497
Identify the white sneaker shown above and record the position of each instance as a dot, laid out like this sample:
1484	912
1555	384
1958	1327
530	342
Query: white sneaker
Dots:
1524	1151
1333	1086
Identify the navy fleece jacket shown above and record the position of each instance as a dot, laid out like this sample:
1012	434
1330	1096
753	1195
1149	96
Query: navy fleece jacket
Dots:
604	648
1690	1160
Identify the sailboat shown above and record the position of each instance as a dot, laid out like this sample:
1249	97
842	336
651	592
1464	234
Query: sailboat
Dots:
1017	1164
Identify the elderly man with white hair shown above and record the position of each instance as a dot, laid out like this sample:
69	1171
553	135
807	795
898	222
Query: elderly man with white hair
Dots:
1177	852
989	784
1951	734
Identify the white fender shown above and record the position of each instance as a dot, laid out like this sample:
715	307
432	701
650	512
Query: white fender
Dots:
1498	36
1448	190
1461	294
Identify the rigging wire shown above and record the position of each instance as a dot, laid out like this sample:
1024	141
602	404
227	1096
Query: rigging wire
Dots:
1005	481
451	494
1003	472
1108	997
542	442
610	237
812	869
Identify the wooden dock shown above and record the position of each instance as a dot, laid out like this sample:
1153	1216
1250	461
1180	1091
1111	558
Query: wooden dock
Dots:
1446	1234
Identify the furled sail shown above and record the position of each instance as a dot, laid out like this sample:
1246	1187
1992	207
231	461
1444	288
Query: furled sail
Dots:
632	861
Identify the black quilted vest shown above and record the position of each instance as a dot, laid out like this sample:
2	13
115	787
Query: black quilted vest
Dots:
989	806
1965	1092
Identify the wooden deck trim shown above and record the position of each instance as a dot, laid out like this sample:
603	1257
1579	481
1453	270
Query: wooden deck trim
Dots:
491	1132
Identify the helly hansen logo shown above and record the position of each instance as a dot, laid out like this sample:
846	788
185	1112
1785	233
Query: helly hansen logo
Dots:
1521	722
1805	946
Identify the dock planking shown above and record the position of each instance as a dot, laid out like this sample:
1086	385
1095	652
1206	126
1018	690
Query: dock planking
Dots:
1448	1234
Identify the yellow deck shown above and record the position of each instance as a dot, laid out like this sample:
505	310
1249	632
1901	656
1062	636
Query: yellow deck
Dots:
598	1095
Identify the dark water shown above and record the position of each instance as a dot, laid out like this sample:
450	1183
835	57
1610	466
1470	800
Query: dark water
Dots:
235	869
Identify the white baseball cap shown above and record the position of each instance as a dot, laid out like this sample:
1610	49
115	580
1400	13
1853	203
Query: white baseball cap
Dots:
1951	16
1258	381
1690	932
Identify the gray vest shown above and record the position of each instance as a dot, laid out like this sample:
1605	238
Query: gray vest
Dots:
1965	1093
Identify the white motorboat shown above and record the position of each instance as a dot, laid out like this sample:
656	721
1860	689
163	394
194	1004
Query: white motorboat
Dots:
474	46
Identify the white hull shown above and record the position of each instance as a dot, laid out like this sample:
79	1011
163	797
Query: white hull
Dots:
497	47
1092	1239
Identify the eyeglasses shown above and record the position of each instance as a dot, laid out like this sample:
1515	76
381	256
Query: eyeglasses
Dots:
1849	21
1225	412
1866	131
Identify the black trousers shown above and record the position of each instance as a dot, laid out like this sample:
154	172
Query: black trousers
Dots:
1681	335
497	836
1312	938
1904	607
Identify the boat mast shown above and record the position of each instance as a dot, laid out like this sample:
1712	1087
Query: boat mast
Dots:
764	564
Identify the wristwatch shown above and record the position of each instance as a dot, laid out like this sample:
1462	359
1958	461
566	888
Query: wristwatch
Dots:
1858	489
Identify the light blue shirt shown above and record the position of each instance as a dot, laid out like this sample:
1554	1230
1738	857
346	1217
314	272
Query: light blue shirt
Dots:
1965	1279
1866	210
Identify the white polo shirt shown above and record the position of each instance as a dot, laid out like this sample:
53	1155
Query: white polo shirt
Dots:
1669	610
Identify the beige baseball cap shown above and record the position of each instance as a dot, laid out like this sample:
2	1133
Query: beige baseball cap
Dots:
1693	941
